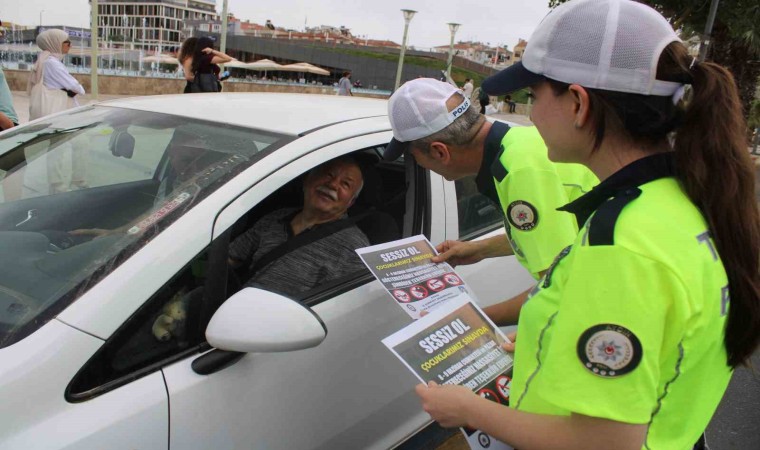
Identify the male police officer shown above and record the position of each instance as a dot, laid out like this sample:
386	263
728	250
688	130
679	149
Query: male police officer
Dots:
433	121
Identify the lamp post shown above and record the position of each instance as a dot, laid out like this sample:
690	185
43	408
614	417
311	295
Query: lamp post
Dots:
708	31
93	49
408	14
453	27
41	11
223	45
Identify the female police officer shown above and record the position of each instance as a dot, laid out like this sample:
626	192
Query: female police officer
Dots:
630	338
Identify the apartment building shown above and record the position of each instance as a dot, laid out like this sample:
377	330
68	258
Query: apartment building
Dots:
151	24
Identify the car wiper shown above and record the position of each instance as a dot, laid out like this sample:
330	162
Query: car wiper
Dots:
12	158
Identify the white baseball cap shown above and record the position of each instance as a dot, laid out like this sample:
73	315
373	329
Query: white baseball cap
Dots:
612	45
417	110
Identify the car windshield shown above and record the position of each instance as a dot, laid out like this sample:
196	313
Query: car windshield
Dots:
84	190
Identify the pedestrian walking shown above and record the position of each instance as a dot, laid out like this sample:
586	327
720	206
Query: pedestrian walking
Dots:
468	88
344	84
630	339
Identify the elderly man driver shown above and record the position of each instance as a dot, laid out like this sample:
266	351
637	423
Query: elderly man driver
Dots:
329	190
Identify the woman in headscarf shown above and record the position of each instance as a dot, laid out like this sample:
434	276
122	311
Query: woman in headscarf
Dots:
52	89
50	84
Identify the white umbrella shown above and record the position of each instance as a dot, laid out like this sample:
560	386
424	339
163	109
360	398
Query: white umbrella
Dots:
263	64
161	59
236	64
305	67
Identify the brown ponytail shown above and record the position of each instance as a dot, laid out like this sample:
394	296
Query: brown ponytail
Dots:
713	165
716	171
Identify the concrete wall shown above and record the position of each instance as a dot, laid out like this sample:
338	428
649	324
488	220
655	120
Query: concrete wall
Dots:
120	85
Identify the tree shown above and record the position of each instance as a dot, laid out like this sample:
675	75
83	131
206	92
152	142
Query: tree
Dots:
735	40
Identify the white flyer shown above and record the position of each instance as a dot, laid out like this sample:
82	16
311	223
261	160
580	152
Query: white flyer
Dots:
415	282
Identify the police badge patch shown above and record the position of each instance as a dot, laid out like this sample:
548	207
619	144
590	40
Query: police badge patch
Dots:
609	350
522	215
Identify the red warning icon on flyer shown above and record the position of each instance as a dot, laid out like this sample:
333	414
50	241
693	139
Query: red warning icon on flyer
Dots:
402	296
418	292
489	395
452	279
503	385
435	284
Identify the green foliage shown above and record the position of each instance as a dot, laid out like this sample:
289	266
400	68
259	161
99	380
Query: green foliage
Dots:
754	115
735	35
458	74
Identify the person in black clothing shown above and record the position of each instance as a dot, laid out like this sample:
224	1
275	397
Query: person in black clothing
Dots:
203	60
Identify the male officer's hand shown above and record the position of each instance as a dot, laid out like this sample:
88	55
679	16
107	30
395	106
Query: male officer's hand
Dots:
457	252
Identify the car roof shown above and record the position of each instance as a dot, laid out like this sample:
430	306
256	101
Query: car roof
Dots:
278	112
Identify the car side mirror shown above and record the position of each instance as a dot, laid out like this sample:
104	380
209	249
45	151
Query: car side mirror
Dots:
258	321
122	144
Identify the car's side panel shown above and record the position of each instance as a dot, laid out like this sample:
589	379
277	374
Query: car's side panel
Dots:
348	392
34	374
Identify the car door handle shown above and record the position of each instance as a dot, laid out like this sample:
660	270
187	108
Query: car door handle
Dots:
31	214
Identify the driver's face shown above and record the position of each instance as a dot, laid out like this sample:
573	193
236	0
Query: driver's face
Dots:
331	187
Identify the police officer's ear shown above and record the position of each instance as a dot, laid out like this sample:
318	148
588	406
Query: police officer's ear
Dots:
580	104
440	152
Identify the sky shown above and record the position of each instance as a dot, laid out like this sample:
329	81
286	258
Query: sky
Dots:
500	22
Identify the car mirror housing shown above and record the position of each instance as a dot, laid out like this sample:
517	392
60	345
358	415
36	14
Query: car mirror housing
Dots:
258	321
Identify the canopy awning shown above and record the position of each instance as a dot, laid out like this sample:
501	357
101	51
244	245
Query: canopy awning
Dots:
305	67
161	59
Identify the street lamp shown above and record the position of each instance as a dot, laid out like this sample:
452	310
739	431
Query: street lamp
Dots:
708	31
408	14
41	11
453	27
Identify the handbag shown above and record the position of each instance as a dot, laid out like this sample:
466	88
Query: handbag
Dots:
205	82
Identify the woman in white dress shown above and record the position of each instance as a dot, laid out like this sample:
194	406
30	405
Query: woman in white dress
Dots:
52	89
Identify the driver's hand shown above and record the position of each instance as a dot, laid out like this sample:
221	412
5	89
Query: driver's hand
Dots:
457	252
94	232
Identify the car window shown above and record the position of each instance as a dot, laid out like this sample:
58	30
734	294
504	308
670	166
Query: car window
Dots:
477	213
84	190
166	325
321	259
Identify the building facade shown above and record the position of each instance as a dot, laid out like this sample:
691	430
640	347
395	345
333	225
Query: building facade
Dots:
151	24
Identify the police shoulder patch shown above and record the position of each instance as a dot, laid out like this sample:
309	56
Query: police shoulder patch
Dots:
522	215
609	350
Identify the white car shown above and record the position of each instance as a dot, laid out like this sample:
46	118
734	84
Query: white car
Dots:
106	334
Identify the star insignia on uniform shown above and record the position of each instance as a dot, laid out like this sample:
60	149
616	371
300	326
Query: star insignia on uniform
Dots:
609	350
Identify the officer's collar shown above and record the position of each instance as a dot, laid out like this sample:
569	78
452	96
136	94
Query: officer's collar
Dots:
491	151
635	174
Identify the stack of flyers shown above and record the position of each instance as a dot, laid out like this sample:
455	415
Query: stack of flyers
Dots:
452	341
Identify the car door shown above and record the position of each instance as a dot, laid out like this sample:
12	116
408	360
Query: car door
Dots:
472	216
348	392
